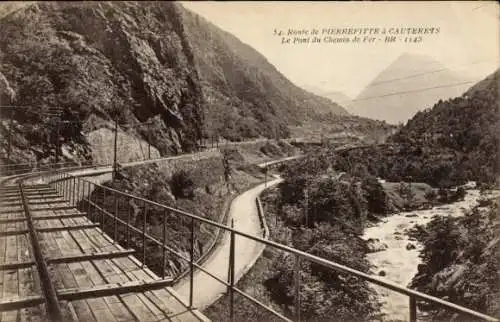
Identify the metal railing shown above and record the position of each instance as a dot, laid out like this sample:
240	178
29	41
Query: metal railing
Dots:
27	167
91	198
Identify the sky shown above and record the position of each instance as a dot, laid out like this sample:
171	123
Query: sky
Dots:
467	42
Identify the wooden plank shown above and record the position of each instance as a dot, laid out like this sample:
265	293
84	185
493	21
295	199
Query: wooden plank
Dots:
14	232
67	228
59	217
85	281
91	256
38	196
47	196
63	277
112	289
18	265
31	202
12	220
83	242
17	302
35	209
115	304
13	227
3	247
28	284
128	304
142	308
11	288
85	278
98	238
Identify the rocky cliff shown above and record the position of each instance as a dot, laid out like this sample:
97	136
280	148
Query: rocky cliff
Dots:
96	62
167	76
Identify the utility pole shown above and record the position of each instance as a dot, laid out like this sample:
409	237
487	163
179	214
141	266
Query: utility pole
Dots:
57	139
115	150
410	196
149	140
306	196
149	146
10	132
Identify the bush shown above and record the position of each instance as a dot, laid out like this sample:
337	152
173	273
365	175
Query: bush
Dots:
431	195
182	185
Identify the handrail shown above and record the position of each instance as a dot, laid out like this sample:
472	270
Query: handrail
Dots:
413	294
50	294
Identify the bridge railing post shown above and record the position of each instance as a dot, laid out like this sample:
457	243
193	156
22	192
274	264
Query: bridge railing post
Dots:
413	309
191	266
103	209
74	191
89	192
66	189
117	207
81	197
296	273
127	233
144	234
164	251
80	186
231	272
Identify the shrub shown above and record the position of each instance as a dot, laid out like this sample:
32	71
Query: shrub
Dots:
182	184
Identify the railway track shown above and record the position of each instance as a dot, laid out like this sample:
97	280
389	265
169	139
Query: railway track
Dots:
57	265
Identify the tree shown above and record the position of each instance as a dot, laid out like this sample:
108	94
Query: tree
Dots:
182	184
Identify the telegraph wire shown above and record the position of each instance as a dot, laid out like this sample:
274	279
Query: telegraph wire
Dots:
409	91
426	73
411	76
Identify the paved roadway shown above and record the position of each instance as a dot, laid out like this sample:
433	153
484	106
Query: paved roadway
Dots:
246	219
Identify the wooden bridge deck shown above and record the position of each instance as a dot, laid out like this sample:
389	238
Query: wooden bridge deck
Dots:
92	288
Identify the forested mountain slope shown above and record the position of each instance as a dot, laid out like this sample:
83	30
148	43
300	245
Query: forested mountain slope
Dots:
454	141
166	75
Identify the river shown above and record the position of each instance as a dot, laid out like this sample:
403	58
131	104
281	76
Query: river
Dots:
398	263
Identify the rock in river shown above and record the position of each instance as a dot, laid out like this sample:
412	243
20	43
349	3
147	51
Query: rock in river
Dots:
375	245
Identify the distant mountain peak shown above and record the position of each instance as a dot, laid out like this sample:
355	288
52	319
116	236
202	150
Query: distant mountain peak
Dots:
409	84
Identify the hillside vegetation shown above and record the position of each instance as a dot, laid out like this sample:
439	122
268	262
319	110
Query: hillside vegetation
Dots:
323	212
454	141
96	62
461	261
247	95
169	78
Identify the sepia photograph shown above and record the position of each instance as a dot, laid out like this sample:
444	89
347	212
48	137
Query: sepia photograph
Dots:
250	161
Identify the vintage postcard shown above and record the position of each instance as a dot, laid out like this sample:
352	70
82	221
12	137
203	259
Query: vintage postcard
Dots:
249	161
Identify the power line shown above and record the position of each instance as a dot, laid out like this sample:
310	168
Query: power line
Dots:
424	73
411	76
412	91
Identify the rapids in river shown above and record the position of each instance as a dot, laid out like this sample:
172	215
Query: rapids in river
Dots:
398	263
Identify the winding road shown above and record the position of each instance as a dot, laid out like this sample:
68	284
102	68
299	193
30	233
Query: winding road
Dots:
244	212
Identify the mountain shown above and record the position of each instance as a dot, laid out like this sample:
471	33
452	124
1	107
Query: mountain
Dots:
335	96
166	75
463	133
338	97
95	62
420	80
245	92
455	141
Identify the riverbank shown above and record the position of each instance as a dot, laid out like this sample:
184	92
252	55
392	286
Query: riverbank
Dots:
400	260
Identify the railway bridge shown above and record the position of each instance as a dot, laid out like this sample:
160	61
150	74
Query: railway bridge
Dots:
68	253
